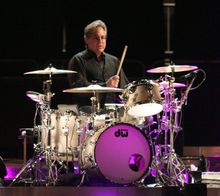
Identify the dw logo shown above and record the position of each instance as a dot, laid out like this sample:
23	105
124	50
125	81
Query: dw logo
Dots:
121	132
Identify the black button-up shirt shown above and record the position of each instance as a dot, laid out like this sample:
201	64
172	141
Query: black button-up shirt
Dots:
92	71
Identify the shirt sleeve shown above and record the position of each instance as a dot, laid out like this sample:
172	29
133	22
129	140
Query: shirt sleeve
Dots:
123	79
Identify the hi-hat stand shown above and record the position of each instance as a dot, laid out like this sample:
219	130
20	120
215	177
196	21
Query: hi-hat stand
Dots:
42	169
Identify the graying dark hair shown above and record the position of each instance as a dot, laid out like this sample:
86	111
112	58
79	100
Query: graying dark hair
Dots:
89	29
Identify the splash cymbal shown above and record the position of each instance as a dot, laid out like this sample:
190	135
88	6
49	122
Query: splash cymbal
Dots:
172	68
93	89
51	71
35	96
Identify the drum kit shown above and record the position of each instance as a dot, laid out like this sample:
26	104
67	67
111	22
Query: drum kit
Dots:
122	145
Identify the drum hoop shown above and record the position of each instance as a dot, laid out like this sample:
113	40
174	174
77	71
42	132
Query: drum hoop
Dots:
143	102
139	82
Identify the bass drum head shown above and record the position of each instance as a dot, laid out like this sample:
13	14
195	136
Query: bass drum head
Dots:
122	153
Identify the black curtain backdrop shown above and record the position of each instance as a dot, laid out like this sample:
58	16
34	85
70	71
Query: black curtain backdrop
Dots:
36	33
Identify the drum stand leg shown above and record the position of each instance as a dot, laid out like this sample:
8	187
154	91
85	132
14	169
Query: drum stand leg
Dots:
40	170
82	179
25	170
170	170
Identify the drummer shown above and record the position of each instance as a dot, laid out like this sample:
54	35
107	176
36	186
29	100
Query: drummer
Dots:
95	66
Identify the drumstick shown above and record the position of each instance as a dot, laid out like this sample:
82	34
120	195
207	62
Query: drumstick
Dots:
122	59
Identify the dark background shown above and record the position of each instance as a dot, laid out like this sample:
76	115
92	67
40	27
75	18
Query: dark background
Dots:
36	33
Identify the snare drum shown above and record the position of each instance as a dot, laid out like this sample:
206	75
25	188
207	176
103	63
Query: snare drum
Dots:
115	111
121	153
142	98
96	121
119	114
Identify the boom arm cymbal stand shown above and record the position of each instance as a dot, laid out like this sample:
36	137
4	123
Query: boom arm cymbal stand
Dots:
170	170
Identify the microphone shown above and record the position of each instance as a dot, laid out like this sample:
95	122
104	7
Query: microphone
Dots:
193	73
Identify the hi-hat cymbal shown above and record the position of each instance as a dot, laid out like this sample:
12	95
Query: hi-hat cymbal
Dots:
51	71
93	89
165	85
172	68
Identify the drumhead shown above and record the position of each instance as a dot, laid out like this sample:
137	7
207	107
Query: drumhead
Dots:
145	109
122	153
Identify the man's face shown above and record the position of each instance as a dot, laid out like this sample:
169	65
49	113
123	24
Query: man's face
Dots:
96	42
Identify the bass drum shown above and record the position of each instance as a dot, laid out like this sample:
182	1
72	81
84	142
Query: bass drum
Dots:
121	153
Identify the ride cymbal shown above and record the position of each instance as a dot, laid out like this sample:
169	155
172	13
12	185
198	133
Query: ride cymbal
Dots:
172	68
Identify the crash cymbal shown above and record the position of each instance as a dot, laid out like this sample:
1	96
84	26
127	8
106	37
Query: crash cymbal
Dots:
51	71
165	84
93	89
174	68
35	96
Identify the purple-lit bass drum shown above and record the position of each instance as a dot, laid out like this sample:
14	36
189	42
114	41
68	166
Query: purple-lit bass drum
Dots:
120	152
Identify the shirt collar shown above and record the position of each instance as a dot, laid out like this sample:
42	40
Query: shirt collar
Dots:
91	54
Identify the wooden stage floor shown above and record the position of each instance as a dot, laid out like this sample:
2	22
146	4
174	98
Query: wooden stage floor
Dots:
16	165
107	191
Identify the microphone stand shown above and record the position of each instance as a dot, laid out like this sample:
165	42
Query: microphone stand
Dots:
185	96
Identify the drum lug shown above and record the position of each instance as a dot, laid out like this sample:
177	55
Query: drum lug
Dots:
92	142
89	158
90	132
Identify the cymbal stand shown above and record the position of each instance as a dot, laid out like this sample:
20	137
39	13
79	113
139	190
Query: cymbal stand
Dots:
91	128
170	169
42	168
95	109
